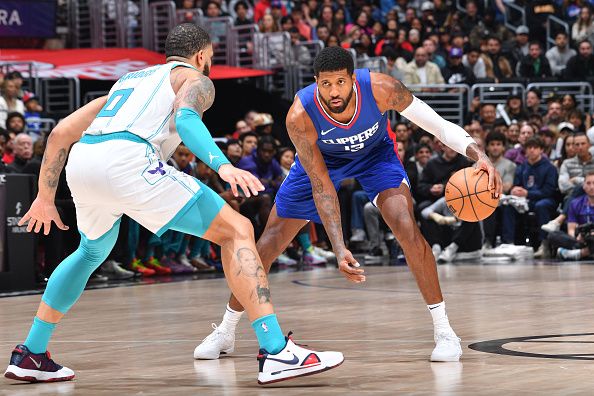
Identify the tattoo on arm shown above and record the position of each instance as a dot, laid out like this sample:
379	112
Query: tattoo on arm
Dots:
400	97
53	168
474	152
325	198
198	94
250	266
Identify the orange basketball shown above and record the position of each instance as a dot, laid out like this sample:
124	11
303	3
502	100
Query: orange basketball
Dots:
468	197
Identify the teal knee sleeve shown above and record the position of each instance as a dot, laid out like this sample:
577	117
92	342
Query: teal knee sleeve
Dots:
70	277
198	217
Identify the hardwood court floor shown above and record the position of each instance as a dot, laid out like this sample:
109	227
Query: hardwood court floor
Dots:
139	340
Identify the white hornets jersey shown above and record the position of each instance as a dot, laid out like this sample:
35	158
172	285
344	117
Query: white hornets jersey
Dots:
141	103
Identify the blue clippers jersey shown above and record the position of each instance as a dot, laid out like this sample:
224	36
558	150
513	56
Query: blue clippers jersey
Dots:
342	143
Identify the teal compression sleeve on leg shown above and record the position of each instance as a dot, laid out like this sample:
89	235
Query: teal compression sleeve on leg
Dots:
197	138
70	277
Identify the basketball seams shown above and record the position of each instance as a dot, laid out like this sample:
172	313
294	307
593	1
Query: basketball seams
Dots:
462	196
484	203
470	198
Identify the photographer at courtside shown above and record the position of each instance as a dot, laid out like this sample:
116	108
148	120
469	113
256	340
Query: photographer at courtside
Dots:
578	242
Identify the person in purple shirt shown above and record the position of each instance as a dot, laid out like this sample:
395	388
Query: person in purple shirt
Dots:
262	164
518	153
581	211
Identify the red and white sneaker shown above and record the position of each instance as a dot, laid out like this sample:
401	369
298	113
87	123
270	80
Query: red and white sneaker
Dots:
35	367
294	361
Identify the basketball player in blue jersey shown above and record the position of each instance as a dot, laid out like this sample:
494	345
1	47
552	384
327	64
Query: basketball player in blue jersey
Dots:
339	128
119	167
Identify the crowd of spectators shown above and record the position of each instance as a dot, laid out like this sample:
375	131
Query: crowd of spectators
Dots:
544	156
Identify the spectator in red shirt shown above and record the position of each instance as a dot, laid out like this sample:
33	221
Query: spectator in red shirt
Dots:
262	7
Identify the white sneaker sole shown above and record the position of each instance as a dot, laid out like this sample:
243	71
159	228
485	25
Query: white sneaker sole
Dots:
211	356
19	374
453	358
284	375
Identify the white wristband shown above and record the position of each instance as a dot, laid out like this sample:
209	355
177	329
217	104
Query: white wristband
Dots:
449	133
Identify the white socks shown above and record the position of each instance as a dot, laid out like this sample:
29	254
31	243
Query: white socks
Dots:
230	320
440	318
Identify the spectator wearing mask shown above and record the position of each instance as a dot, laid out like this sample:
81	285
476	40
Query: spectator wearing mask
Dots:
535	65
535	180
422	71
560	54
581	66
23	152
9	101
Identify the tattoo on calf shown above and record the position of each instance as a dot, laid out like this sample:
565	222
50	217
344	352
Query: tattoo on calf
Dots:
250	266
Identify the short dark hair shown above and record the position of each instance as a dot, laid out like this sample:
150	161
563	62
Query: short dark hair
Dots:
536	91
333	59
495	137
534	142
561	32
418	147
246	134
13	75
241	3
266	139
185	40
535	43
14	114
580	134
232	141
589	173
584	41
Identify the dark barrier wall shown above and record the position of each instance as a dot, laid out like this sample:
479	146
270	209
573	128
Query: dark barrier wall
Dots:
19	266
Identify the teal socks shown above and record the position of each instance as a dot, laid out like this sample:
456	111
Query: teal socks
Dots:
39	335
305	242
269	333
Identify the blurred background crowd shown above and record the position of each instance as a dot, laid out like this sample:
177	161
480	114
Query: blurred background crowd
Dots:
541	142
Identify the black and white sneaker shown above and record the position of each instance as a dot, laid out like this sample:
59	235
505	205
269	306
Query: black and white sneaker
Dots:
35	367
294	361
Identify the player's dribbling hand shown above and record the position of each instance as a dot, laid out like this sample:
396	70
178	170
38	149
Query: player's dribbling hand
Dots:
350	267
495	183
42	213
249	184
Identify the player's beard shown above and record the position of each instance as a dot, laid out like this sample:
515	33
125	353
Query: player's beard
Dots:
206	70
338	110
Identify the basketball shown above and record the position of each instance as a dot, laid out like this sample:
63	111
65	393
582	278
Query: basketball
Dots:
468	196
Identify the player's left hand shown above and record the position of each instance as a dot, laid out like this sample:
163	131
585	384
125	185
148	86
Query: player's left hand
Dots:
495	183
350	267
249	184
41	214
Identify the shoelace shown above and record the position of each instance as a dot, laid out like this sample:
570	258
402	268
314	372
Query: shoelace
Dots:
211	336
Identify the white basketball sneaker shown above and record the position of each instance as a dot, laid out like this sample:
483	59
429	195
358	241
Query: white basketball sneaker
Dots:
294	361
217	342
447	347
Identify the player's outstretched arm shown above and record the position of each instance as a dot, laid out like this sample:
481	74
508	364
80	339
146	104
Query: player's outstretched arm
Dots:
391	94
304	137
68	131
193	98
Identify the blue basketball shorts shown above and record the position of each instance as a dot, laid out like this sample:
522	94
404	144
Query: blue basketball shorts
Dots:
378	171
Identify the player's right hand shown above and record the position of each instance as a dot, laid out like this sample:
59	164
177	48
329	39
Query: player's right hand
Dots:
42	213
350	267
250	185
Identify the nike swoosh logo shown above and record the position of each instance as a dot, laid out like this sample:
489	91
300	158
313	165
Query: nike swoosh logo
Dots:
295	360
38	365
328	131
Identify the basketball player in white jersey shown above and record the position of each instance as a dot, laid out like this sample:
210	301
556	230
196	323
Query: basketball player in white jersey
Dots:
119	167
